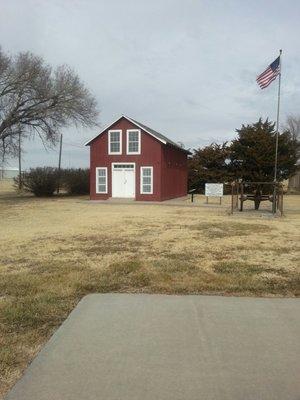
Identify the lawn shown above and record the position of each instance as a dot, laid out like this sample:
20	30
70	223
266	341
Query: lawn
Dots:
54	251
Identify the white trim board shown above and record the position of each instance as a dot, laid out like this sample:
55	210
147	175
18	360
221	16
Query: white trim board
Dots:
113	164
130	120
141	179
109	141
106	180
127	141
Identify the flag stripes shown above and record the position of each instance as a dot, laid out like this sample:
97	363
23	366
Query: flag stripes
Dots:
269	75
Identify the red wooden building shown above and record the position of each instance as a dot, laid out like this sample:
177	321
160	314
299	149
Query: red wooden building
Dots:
131	160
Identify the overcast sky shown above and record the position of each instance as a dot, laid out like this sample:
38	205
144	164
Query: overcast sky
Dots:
186	68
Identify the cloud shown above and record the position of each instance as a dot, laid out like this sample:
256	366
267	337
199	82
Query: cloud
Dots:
186	68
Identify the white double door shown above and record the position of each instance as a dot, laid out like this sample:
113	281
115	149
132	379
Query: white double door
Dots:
123	180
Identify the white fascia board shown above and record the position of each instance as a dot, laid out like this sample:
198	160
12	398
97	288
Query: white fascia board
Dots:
103	130
135	123
130	120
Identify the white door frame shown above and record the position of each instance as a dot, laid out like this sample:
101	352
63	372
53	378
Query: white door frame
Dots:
112	172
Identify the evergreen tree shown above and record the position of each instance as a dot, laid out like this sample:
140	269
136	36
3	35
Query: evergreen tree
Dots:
252	153
249	157
209	164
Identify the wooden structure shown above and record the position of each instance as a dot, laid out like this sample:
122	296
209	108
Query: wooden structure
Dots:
240	194
130	160
294	181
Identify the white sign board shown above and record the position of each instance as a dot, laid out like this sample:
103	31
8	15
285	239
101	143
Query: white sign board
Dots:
214	189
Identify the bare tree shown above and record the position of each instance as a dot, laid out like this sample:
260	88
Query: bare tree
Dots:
293	126
36	99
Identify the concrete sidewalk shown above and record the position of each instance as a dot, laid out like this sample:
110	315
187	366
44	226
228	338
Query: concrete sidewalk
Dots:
156	347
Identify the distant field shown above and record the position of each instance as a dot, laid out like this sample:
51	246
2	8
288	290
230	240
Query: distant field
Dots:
54	251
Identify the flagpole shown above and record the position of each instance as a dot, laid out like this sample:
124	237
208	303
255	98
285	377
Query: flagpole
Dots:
277	134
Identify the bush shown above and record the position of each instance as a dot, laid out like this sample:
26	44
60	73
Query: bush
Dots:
76	181
39	181
44	181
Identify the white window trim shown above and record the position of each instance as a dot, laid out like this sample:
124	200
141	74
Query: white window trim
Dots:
141	180
109	132
112	173
123	163
133	122
106	181
127	141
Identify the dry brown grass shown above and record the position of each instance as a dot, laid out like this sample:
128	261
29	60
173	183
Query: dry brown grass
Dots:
54	251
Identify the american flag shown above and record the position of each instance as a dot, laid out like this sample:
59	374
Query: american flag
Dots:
270	74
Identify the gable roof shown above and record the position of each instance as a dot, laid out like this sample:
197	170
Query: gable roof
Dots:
152	132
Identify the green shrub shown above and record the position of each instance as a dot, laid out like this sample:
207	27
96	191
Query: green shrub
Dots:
39	181
76	181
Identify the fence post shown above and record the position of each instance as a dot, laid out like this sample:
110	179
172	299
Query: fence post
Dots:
242	197
232	197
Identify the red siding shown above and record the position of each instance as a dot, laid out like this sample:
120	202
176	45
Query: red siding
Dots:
169	165
174	173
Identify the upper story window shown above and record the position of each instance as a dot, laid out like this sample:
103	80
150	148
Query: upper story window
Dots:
133	141
115	142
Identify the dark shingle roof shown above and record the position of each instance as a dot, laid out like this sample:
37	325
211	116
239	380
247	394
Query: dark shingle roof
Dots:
151	131
158	135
